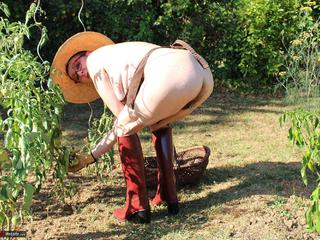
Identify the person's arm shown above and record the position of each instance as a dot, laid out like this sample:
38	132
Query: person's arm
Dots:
126	123
104	88
105	144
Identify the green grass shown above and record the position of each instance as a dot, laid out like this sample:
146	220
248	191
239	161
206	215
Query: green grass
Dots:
253	172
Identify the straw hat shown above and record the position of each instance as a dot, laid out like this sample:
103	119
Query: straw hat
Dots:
84	41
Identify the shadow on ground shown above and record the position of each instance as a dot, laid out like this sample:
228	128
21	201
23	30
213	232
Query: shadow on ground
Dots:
265	178
219	106
45	202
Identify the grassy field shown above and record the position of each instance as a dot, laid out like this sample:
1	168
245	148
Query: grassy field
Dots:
251	189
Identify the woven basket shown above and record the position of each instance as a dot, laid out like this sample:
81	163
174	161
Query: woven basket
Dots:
189	166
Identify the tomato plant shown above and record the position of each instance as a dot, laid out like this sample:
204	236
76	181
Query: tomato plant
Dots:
31	111
97	129
305	133
30	123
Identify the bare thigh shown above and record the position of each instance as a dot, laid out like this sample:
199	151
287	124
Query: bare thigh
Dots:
173	78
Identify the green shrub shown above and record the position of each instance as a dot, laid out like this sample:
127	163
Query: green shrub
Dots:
241	39
262	25
301	71
305	133
31	126
300	78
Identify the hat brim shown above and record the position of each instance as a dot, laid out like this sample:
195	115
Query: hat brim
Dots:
84	41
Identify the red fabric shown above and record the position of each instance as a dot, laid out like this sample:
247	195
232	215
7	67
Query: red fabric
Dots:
133	169
166	190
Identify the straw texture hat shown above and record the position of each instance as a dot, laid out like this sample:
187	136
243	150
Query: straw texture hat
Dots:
84	41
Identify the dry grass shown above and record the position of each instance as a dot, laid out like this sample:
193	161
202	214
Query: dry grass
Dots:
251	189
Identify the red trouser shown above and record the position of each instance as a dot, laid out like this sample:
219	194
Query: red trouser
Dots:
137	201
166	190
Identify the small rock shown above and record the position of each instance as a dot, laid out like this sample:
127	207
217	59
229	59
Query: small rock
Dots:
291	224
232	233
302	221
82	225
307	237
294	224
288	224
253	221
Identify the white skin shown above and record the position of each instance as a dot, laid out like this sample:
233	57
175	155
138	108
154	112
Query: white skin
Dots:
78	72
161	99
77	68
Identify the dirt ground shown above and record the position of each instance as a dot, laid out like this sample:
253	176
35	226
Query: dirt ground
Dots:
251	189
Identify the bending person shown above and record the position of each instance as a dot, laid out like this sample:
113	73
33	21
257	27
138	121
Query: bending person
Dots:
144	85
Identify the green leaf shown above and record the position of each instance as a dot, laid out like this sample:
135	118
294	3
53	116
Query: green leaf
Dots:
315	195
283	119
8	137
15	193
19	165
2	218
304	175
4	8
16	219
4	193
310	166
7	166
30	137
317	226
316	122
308	216
28	195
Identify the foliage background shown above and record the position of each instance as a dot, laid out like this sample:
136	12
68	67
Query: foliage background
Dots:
243	40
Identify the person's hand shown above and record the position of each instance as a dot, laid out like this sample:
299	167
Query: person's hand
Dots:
83	160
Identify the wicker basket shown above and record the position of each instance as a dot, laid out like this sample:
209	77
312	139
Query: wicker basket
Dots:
189	166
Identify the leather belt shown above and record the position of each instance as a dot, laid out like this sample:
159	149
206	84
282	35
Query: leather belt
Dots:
137	77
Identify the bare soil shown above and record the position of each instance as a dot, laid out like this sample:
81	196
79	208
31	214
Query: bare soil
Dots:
251	188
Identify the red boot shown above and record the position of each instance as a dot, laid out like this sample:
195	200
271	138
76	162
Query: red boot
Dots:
137	207
166	190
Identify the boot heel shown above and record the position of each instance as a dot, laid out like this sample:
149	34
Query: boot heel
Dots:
141	217
173	208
